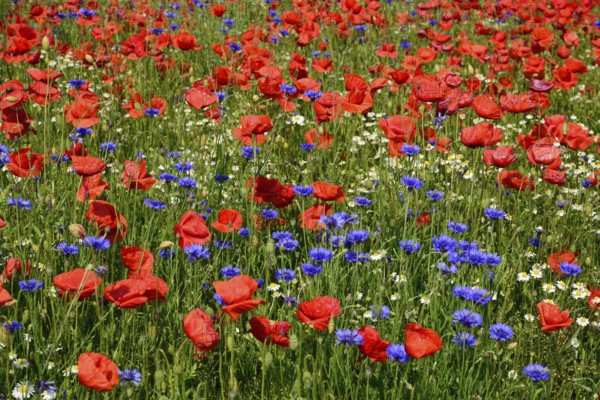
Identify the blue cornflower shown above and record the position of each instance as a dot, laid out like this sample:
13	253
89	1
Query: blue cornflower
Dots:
221	95
282	235
76	83
287	244
284	32
467	318
433	22
156	31
108	146
130	377
167	177
457	227
501	332
320	254
537	372
311	269
248	152
285	275
220	178
363	201
219	299
380	312
19	203
235	47
83	131
187	182
410	149
96	243
570	268
411	182
410	246
184	166
155	204
475	295
12	326
288	89
68	249
348	337
535	242
171	14
31	285
434	195
166	253
354	257
229	23
303	191
101	270
269	214
244	232
397	352
493	260
315	53
464	340
405	44
444	268
313	94
357	235
361	28
307	146
494	213
443	243
47	389
196	251
223	244
230	271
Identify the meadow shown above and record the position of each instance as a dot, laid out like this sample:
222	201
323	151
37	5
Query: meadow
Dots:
299	199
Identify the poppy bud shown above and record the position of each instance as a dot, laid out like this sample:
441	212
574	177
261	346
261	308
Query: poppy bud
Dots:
270	247
165	244
3	335
307	379
588	261
11	99
45	43
230	342
293	342
25	317
159	376
268	360
573	249
177	370
77	231
89	58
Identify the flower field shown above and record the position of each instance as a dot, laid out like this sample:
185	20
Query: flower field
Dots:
300	199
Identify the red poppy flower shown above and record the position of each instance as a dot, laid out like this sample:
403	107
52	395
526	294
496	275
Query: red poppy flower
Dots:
82	113
387	50
487	108
200	96
593	298
12	94
373	346
87	166
517	103
91	187
156	288
185	41
16	123
322	140
555	259
551	318
318	311
110	222
25	162
237	294
543	153
399	128
328	192
2	223
42	93
265	190
229	220
421	342
192	229
127	293
423	219
5	297
513	179
253	129
80	283
15	265
577	137
310	218
137	258
98	372
555	177
482	134
328	107
428	88
500	157
46	75
134	176
564	78
267	331
198	326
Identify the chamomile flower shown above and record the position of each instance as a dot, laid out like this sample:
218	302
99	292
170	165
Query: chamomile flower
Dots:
582	321
425	300
529	317
536	273
579	294
549	288
523	277
560	285
23	390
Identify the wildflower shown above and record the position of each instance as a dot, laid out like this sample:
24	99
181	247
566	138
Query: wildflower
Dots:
501	332
196	251
434	195
167	177
582	321
31	285
467	318
304	191
348	337
47	389
285	275
187	182
537	372
313	94
269	214
457	227
19	203
411	182
96	243
410	149
410	246
229	271
23	390
397	352
464	340
443	243
570	268
130	377
287	244
248	152
494	213
68	249
155	204
363	201
320	254
311	269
